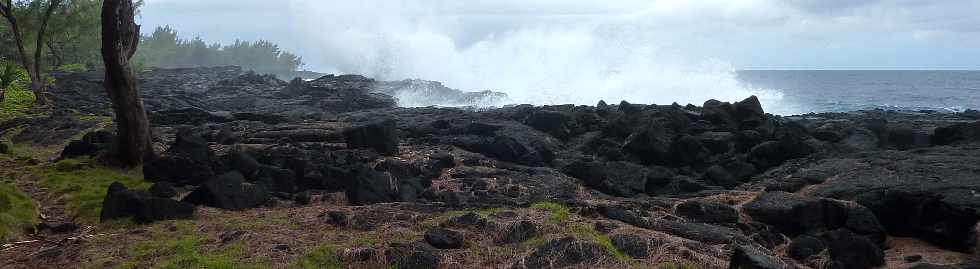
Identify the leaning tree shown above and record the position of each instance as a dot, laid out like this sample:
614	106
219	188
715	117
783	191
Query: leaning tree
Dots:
31	64
120	37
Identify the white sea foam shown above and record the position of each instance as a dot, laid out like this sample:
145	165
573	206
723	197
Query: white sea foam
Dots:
577	61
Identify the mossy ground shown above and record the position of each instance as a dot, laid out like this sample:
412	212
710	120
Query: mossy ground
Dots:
81	185
17	101
18	211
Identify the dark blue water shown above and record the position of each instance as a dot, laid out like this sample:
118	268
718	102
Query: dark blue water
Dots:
838	91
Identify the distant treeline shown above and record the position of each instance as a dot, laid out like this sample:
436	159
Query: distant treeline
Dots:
163	48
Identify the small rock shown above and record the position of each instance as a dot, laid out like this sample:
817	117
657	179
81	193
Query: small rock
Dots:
413	256
805	246
282	247
749	258
442	238
632	245
230	236
519	232
913	258
337	218
303	198
605	226
468	220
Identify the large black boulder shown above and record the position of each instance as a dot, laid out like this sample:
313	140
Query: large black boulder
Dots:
710	212
189	161
852	251
443	238
389	181
558	124
795	214
632	245
957	133
229	191
749	258
90	145
142	207
413	256
803	247
382	136
614	178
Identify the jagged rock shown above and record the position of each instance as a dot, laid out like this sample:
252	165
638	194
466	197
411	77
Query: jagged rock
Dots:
615	178
121	202
442	238
163	190
229	191
794	214
562	252
413	256
632	245
750	258
381	136
90	145
925	193
468	220
805	246
709	212
957	133
519	232
189	161
852	251
558	124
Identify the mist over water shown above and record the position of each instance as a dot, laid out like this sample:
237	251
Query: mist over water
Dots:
566	60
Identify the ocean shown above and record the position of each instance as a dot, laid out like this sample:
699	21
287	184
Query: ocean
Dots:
840	91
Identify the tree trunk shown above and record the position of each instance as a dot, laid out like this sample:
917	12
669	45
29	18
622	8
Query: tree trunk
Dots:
120	37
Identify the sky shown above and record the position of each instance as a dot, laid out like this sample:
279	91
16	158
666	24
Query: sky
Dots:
748	34
582	51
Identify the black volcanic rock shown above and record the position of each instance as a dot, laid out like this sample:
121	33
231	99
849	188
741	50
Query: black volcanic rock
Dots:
381	136
229	191
142	207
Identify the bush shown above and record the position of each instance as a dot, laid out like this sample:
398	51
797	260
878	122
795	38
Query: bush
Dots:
17	212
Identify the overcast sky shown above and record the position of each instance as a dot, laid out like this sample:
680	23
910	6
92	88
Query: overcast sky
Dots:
747	34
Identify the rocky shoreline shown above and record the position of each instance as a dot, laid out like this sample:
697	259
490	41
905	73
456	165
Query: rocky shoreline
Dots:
716	185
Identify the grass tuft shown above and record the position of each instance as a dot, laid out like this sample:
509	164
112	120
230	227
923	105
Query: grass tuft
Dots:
559	212
82	186
322	257
17	212
587	232
182	246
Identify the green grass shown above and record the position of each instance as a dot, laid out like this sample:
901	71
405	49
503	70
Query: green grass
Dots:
559	213
82	186
322	257
17	212
186	248
587	232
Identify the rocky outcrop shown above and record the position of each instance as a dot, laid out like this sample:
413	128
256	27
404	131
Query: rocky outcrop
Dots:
121	202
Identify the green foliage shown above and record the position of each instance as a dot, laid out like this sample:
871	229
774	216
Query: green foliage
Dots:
322	257
72	68
559	213
586	232
163	48
184	247
17	212
17	98
83	186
